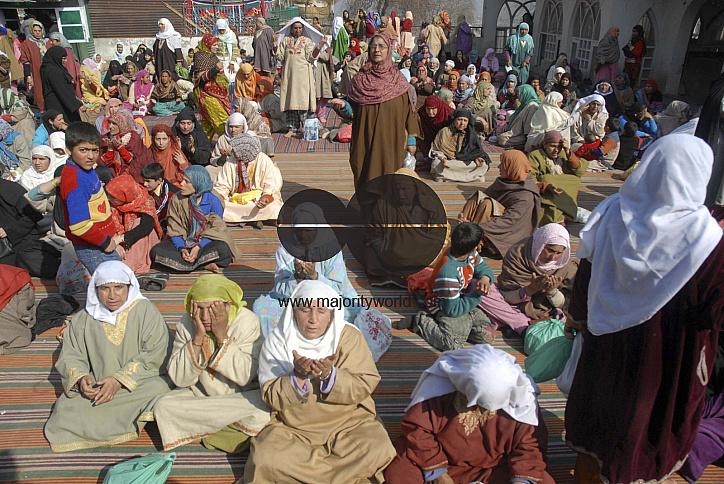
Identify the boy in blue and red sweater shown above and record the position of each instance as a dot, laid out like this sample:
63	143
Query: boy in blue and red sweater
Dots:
453	315
88	221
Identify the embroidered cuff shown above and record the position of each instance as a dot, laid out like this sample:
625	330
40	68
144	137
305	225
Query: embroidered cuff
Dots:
125	380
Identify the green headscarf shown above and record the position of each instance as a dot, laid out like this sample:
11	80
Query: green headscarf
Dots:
215	287
526	95
479	99
341	44
517	51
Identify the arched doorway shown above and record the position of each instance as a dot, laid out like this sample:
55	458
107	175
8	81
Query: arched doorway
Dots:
551	28
586	32
705	53
649	25
511	14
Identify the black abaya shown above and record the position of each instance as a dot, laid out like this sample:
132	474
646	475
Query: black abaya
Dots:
19	221
711	129
58	88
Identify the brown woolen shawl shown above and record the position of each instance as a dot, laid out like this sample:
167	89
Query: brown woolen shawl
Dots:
518	271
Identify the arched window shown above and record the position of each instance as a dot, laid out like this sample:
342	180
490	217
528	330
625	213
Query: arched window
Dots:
647	22
510	16
551	28
586	32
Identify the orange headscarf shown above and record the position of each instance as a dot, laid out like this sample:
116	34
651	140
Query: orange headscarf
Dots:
136	201
485	76
246	87
514	165
264	87
452	84
173	171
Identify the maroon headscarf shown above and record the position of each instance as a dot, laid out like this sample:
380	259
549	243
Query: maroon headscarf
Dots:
431	126
377	84
552	137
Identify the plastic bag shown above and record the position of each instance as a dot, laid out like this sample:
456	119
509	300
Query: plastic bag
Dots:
149	469
72	276
345	134
409	162
377	330
550	360
540	333
311	130
252	196
565	379
419	280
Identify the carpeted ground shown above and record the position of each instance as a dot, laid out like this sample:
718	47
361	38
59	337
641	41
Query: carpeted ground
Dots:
29	384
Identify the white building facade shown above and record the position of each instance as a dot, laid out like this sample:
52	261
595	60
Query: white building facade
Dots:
685	38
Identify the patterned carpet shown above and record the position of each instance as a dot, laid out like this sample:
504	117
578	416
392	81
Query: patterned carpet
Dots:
29	384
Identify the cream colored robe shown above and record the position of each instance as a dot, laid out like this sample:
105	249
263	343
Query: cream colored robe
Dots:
264	175
217	389
584	126
333	438
134	352
298	92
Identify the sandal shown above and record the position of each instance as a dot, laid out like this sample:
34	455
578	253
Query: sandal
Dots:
153	282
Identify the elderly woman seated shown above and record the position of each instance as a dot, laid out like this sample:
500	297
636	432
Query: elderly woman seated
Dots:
406	227
214	364
516	194
457	154
309	252
199	236
256	124
17	309
250	183
112	365
474	417
44	165
15	148
317	374
557	171
535	282
236	124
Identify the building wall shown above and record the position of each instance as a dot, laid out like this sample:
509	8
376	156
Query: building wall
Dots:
106	47
673	21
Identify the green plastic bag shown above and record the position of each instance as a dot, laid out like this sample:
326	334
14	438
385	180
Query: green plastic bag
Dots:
540	333
550	360
150	469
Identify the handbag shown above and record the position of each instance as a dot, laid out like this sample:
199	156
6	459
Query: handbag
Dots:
6	248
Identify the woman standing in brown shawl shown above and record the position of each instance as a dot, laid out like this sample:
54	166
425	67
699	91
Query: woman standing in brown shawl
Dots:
32	51
516	191
385	121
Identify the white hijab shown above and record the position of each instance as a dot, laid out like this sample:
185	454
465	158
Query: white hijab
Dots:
120	56
107	272
237	119
587	100
57	141
172	38
276	357
550	117
337	25
490	378
31	178
647	241
309	31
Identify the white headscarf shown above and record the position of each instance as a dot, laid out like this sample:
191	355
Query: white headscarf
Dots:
57	141
550	117
31	178
309	31
172	38
276	357
489	378
587	100
120	56
237	119
228	37
337	25
647	241
108	272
